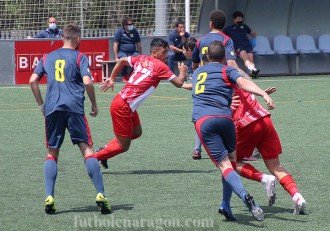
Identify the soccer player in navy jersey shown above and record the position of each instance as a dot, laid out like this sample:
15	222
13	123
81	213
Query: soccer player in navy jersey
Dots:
68	76
148	71
217	22
212	92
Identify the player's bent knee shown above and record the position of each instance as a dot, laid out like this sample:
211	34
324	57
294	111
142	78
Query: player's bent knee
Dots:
136	135
125	147
137	132
273	165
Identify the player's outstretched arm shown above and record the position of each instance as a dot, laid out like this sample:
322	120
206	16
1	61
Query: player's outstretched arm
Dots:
270	90
235	102
178	82
34	79
243	74
187	86
249	86
91	94
110	82
232	63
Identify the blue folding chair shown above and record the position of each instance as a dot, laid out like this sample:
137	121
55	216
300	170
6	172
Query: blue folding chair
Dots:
262	46
283	46
324	43
306	45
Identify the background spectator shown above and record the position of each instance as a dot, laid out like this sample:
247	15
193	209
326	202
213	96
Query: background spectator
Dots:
51	32
176	39
238	33
127	43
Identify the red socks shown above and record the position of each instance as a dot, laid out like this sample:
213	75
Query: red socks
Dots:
249	172
90	156
51	158
228	170
289	185
111	149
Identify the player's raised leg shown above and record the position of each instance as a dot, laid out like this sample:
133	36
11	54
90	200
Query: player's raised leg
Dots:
233	180
218	138
247	171
269	146
288	183
126	125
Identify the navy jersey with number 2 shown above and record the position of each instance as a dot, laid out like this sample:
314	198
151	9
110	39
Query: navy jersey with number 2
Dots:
64	69
213	90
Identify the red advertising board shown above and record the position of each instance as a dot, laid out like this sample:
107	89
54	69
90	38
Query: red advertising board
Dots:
29	52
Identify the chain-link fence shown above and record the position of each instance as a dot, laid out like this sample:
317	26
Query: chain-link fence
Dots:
98	18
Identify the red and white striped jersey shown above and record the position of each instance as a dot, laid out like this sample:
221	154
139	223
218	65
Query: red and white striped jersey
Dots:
148	72
249	109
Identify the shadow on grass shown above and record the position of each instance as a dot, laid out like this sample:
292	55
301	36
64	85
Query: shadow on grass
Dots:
247	221
270	213
96	209
150	172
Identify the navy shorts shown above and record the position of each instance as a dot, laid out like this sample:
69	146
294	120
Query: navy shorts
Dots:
248	48
217	135
57	122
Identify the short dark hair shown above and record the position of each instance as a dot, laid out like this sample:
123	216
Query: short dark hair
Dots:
216	51
218	19
237	14
158	43
125	20
178	22
71	31
190	43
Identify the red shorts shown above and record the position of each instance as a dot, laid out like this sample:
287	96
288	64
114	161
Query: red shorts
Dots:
260	134
123	119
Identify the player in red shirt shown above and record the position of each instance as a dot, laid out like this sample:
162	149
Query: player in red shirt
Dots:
255	129
148	71
250	117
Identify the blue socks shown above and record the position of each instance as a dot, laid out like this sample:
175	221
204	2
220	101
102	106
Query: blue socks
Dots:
50	176
227	192
94	172
234	182
198	143
93	169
